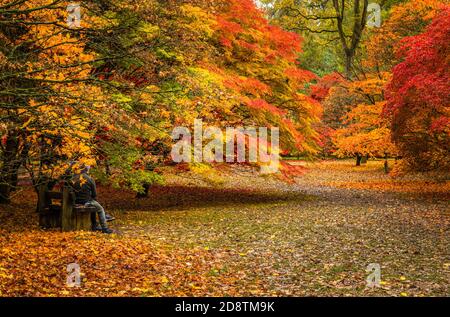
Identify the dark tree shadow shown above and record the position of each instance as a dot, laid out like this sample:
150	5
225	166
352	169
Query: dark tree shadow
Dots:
167	197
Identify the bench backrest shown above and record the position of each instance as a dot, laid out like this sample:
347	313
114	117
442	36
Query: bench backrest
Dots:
53	195
46	196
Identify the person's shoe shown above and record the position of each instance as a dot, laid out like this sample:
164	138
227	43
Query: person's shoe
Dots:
109	218
97	228
107	231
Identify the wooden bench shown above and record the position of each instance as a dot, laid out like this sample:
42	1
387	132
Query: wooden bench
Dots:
57	209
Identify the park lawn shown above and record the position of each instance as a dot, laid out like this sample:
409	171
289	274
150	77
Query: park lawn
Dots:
244	236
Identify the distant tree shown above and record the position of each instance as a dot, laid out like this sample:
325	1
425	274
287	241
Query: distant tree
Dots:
345	21
366	134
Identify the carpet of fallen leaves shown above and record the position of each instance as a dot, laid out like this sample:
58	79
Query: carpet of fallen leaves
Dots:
244	236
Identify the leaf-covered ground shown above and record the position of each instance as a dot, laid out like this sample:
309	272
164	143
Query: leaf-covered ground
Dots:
246	235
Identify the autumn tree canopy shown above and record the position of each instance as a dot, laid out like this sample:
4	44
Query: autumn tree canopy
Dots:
389	75
419	95
109	91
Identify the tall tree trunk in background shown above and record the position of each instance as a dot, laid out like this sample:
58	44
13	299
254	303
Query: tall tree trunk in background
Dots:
351	43
348	64
349	21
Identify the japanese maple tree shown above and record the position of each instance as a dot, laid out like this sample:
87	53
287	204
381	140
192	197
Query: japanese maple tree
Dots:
418	97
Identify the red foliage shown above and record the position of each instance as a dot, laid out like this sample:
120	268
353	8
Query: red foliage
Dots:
261	104
300	75
229	27
286	44
247	85
422	80
418	97
320	90
440	125
243	20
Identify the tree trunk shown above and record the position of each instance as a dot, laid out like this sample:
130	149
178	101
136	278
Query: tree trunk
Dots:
358	159
144	194
7	170
386	164
348	63
350	43
5	193
364	159
17	164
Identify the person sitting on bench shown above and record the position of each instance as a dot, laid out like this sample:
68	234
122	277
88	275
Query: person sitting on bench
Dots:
86	193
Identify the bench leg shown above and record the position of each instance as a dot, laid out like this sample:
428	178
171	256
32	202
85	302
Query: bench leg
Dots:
83	221
93	219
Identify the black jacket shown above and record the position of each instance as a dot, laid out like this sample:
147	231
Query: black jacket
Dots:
84	188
